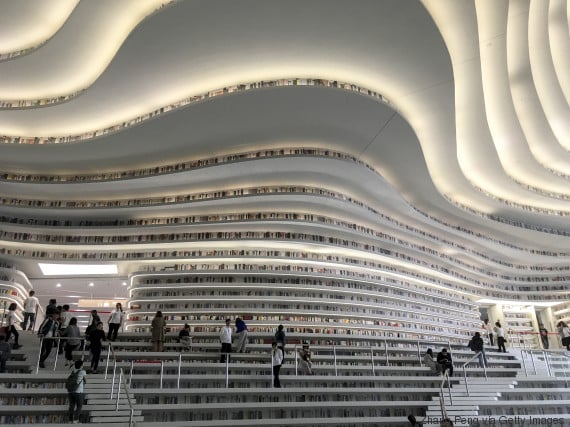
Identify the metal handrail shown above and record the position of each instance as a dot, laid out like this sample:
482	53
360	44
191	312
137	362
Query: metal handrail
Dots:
465	373
445	377
547	355
110	350
128	394
335	367
56	338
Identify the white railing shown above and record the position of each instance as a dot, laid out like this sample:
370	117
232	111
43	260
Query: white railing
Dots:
546	357
444	380
479	353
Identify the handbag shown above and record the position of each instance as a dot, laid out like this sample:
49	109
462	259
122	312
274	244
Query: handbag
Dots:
566	341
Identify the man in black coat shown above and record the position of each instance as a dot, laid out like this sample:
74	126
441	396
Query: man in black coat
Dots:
444	359
476	345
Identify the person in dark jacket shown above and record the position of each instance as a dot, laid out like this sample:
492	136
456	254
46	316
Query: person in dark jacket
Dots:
476	345
444	359
94	320
48	333
543	332
240	336
96	338
280	339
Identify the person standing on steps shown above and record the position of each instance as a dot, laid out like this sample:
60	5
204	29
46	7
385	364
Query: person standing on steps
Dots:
500	337
280	339
115	321
276	362
5	351
96	338
305	363
241	335
488	330
543	332
76	397
64	318
31	306
226	340
48	331
51	308
94	320
11	323
73	341
184	337
157	331
564	333
476	344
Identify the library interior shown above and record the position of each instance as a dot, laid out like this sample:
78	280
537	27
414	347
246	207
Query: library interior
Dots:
285	213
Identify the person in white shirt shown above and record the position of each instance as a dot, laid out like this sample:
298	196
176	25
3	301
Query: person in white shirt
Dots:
226	340
500	337
12	320
276	362
115	321
564	332
31	306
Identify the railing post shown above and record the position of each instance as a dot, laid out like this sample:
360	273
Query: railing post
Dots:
386	350
547	363
524	363
119	389
227	370
372	359
335	367
131	372
57	343
113	382
108	357
179	370
532	360
39	354
296	362
419	354
161	372
465	379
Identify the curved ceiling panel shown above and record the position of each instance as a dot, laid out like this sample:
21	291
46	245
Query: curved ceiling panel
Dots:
27	24
470	135
540	138
552	99
508	137
559	33
77	55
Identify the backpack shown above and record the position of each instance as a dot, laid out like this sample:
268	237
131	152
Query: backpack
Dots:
71	383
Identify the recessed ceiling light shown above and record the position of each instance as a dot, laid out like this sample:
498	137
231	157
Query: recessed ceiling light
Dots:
91	284
124	283
58	285
77	269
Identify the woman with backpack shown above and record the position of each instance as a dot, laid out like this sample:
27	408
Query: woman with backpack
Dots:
74	386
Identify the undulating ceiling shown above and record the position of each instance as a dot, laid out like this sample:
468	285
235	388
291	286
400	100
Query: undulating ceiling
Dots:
458	110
